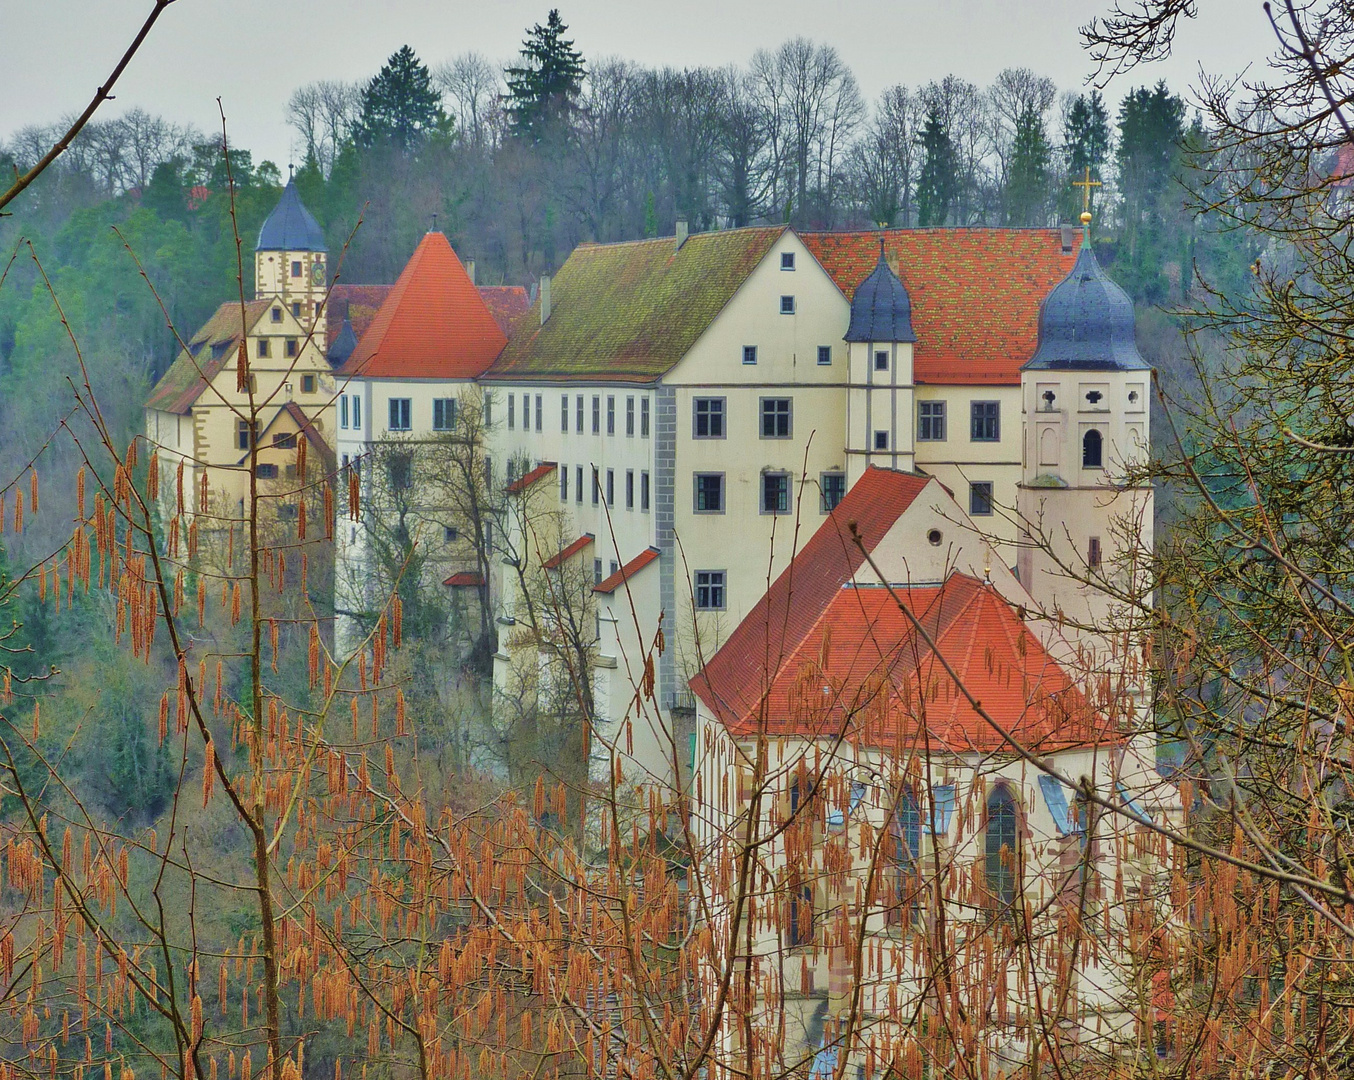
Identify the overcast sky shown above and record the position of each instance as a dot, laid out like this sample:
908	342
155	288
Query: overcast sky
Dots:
253	53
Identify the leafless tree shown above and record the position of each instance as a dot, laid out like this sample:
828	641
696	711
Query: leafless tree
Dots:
884	160
746	166
1015	92
473	85
322	114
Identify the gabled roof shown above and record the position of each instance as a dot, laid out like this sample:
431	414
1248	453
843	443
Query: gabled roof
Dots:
545	468
343	344
208	352
625	573
739	674
863	671
565	554
432	325
290	227
305	426
975	293
465	579
631	311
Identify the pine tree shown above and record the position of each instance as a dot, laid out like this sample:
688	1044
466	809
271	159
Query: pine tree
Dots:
937	185
1086	145
1027	181
400	106
543	91
1151	134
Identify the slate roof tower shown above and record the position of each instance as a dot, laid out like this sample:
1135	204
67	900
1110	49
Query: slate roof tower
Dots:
290	261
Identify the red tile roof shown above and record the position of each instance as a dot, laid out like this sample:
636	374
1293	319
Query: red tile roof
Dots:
465	579
432	325
629	570
865	672
730	683
975	292
561	557
545	468
358	303
506	303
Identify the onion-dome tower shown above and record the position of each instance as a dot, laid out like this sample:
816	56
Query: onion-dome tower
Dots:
879	402
1085	510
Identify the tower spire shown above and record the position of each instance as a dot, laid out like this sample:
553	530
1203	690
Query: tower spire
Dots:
1086	186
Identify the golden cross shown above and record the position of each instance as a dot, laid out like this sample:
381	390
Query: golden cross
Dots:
1086	186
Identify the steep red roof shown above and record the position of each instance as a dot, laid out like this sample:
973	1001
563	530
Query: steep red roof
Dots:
561	557
975	292
465	579
626	572
545	468
506	303
864	671
432	325
738	675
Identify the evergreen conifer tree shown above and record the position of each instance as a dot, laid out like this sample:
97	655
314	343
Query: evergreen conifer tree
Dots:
400	106
1027	179
937	185
544	89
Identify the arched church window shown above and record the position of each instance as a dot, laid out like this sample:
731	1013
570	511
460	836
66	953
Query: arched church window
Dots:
1092	449
1000	846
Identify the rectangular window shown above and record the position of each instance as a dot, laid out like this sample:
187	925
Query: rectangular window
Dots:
564	414
262	350
343	410
400	470
307	384
242	432
710	590
881	440
444	413
881	360
643	418
787	260
399	414
709	418
775	493
630	416
564	483
749	354
291	346
597	571
985	421
512	411
1093	553
596	485
824	355
775	418
578	415
930	421
980	498
787	305
611	487
578	484
285	440
488	408
357	411
276	314
526	412
596	414
296	268
709	493
644	490
629	489
610	414
266	471
450	534
296	309
539	413
833	488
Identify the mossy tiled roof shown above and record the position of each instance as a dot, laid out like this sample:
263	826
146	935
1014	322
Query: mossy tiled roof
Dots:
208	352
631	311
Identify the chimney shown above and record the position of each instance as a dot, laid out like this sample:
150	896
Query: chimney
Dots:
681	232
470	270
545	298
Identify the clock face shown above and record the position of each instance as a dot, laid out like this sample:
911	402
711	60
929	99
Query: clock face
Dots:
317	273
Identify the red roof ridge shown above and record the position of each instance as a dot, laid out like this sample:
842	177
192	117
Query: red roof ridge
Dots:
566	553
528	478
611	583
465	579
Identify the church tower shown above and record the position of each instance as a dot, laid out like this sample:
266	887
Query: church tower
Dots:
879	406
289	261
1085	513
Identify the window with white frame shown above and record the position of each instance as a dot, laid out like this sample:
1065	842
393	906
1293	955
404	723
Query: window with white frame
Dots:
710	586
